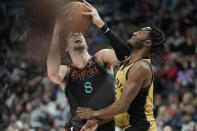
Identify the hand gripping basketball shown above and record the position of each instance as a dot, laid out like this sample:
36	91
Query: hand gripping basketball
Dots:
79	22
96	19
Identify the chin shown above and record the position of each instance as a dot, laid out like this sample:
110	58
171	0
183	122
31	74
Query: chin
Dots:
131	43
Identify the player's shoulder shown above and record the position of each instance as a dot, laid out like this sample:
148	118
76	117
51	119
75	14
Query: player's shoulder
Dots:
103	56
140	70
142	67
100	55
103	52
64	69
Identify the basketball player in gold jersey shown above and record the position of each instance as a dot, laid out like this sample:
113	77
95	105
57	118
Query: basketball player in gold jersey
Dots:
134	80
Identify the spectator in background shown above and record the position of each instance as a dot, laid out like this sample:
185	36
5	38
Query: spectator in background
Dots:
175	120
187	47
185	76
171	71
187	99
25	116
188	124
175	41
162	117
167	128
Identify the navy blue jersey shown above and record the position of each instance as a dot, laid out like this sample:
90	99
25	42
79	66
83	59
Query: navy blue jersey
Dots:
91	87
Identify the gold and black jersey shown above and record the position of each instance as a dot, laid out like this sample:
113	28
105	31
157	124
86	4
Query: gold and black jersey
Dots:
140	114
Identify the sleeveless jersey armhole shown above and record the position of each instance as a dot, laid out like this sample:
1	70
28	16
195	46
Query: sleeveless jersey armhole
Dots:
66	79
151	72
128	72
109	73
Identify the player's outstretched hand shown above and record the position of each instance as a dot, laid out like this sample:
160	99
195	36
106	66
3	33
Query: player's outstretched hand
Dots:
85	113
96	19
91	125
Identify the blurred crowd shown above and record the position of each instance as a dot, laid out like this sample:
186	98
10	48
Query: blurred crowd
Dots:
30	101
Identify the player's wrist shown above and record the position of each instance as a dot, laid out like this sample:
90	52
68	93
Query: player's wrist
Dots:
96	121
100	24
96	114
104	28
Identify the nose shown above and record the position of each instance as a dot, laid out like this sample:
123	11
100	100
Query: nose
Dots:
77	34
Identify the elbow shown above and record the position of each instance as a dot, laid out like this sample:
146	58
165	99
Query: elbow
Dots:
51	75
51	72
121	56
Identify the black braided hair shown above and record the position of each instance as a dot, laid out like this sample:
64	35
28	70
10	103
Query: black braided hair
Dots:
158	39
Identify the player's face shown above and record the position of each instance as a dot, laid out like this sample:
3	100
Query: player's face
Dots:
139	37
76	41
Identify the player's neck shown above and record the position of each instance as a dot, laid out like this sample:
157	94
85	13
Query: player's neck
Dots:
80	58
137	55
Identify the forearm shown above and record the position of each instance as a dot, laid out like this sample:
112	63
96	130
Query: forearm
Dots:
103	121
120	47
110	112
54	55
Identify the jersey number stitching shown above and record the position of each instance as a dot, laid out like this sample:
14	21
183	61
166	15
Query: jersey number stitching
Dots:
88	87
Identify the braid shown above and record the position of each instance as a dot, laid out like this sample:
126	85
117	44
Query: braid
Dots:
158	40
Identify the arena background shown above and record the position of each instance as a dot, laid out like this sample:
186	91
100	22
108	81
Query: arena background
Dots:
30	101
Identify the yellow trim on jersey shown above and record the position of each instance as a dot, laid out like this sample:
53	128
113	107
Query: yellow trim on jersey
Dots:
126	128
149	104
66	80
153	126
149	107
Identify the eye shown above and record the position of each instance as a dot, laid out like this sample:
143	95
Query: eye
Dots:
130	34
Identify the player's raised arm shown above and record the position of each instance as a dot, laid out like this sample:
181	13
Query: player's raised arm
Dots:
120	47
56	72
107	56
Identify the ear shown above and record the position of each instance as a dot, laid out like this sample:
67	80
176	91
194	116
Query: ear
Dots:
148	43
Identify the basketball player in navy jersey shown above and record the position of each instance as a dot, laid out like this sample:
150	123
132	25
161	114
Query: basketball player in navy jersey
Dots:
88	82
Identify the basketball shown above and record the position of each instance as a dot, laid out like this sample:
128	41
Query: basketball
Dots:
79	22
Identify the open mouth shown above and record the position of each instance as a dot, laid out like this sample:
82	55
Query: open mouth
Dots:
77	41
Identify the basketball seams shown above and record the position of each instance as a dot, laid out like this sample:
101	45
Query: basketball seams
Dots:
74	9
